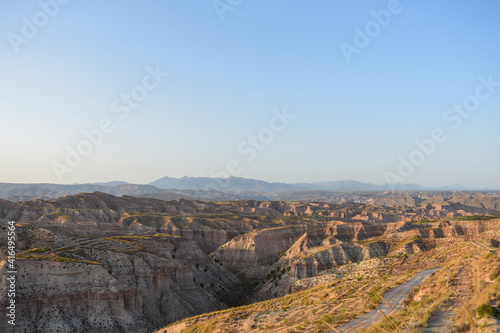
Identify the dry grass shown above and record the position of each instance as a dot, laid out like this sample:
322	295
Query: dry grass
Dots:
322	308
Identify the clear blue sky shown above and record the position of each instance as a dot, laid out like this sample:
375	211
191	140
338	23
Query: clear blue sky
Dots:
353	120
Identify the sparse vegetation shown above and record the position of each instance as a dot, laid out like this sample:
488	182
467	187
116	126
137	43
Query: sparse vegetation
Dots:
480	217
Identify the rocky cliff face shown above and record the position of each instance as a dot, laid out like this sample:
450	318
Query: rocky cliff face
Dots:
276	259
123	284
72	297
252	254
312	263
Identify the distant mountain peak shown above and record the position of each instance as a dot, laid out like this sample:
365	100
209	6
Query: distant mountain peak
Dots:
221	184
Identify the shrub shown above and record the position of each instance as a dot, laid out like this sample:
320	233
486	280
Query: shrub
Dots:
488	311
327	318
495	274
373	297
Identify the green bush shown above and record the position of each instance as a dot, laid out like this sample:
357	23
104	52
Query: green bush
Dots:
488	311
327	318
373	297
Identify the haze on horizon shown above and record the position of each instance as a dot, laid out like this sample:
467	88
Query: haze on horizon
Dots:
281	92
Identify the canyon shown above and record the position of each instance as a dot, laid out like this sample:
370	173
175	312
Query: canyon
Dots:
101	263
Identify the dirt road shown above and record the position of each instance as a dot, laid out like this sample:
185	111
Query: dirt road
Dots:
394	297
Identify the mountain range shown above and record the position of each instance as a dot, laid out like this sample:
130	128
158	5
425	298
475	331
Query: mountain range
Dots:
245	184
204	188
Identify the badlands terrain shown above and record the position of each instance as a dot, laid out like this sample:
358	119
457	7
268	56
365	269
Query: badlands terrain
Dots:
95	262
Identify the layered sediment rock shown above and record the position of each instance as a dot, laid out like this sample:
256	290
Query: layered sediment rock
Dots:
309	252
250	255
75	284
71	297
330	257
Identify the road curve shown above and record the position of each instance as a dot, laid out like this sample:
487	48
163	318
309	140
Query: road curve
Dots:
394	297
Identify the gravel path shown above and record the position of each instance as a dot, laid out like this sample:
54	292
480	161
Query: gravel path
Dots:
394	297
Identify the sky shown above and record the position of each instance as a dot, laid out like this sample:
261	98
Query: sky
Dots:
282	91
